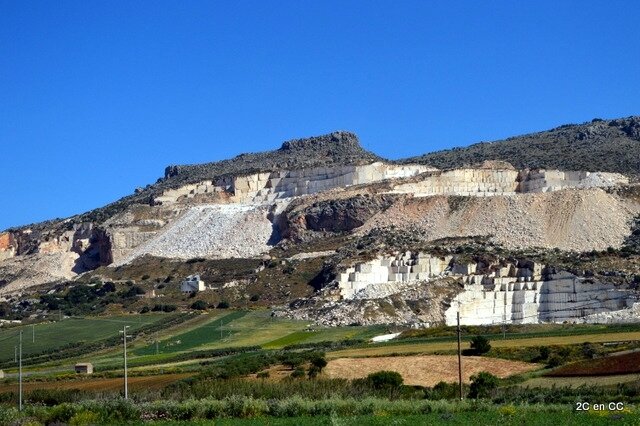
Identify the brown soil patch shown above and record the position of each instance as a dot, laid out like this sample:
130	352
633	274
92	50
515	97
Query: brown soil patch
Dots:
426	370
135	383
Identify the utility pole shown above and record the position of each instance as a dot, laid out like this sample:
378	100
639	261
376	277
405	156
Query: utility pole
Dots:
126	383
33	333
20	375
15	353
504	318
459	358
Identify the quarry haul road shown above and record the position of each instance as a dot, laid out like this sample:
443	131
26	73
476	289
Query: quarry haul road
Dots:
430	347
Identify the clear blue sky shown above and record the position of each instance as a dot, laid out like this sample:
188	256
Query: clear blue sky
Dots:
97	97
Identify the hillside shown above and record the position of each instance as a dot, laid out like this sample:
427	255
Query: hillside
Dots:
598	145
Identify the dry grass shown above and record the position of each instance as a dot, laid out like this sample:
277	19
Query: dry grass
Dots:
431	347
426	370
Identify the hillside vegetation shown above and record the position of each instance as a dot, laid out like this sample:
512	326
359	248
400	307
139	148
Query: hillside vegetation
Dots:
598	145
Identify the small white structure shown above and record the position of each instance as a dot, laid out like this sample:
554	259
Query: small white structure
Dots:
1	374
83	368
192	284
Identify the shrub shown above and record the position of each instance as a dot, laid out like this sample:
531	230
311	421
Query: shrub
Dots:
480	345
254	298
61	413
263	375
544	352
483	385
385	379
223	305
297	373
200	305
144	310
444	390
554	361
84	418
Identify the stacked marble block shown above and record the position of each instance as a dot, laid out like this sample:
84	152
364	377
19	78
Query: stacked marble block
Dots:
523	296
190	191
267	187
400	268
270	186
555	180
464	182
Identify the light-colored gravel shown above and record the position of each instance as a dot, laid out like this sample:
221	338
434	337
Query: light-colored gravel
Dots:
213	231
571	219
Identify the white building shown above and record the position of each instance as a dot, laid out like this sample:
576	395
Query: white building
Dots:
191	284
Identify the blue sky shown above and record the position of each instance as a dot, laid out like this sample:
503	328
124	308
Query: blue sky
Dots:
96	98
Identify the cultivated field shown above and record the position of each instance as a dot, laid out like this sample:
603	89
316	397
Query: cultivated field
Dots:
407	347
333	334
611	365
100	384
426	370
70	331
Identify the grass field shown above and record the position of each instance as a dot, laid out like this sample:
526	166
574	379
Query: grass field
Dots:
234	328
50	336
426	370
407	347
210	332
326	334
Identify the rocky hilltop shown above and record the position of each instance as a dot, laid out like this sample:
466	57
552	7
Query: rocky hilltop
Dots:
357	238
599	145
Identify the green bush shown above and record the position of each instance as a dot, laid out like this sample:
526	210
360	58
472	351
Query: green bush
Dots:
385	379
199	305
480	345
483	385
84	418
297	373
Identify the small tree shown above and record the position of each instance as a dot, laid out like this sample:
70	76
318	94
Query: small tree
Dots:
480	345
385	379
317	364
482	385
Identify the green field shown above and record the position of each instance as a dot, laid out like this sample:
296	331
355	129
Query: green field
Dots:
70	331
210	332
326	334
236	328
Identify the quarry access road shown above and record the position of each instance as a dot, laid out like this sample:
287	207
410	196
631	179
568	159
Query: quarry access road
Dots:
407	347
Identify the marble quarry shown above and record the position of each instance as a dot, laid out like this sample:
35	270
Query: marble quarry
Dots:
402	268
415	179
483	182
270	186
525	298
524	293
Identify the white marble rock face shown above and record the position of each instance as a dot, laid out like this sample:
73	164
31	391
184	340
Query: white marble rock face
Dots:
267	187
508	294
